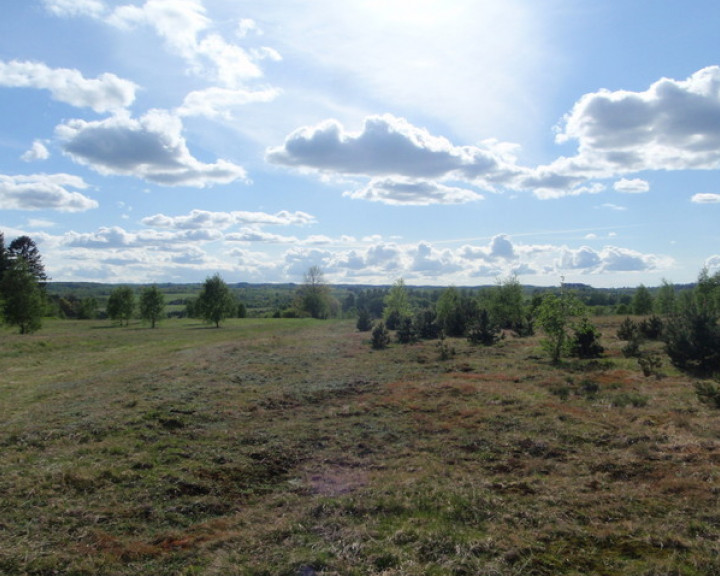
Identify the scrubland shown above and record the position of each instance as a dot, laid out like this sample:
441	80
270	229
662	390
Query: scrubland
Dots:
290	447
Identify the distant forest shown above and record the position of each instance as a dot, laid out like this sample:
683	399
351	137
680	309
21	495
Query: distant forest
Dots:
268	300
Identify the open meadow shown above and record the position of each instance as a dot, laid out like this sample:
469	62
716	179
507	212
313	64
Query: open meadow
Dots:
290	447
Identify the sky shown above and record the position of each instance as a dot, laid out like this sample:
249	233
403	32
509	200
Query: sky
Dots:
444	142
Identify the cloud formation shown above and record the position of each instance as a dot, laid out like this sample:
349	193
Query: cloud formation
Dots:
151	147
389	146
37	151
198	219
44	192
105	93
216	102
673	125
706	198
631	186
411	192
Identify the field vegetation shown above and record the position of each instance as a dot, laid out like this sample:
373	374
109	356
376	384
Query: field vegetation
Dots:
294	447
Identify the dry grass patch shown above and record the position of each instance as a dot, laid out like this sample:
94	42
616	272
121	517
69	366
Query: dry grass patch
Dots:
291	447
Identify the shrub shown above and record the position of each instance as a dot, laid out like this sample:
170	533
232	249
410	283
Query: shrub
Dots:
651	328
632	348
708	394
650	365
380	336
406	333
483	331
692	339
426	324
628	330
586	341
364	323
446	351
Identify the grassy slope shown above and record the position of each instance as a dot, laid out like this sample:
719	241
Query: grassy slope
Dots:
290	447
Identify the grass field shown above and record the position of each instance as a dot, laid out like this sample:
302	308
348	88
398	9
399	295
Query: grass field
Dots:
289	447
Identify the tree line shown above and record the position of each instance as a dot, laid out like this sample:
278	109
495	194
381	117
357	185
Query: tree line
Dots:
688	320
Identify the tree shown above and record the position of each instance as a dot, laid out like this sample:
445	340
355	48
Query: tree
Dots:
364	322
314	295
642	302
586	341
23	299
452	313
121	304
215	301
692	337
152	304
380	336
24	247
397	305
506	306
483	330
665	300
555	315
3	255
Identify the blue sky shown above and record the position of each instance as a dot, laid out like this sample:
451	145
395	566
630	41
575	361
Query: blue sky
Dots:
448	142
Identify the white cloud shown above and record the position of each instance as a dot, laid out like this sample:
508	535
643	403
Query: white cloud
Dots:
631	186
185	29
151	148
404	191
713	264
614	207
198	219
610	259
247	235
706	198
674	125
105	93
390	146
221	103
37	151
44	192
93	8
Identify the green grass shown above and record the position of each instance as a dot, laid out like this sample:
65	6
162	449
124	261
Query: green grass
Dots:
291	447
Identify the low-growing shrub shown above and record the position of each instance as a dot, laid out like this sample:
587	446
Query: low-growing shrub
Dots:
628	330
586	341
380	336
708	393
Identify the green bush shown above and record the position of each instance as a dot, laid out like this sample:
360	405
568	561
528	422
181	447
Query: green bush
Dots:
708	394
483	330
628	330
380	336
692	339
586	341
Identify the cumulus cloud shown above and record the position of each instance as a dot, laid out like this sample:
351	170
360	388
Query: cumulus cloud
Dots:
674	124
404	191
44	192
631	186
105	93
389	146
117	237
37	151
184	27
221	103
151	148
500	246
610	259
706	198
198	219
247	235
